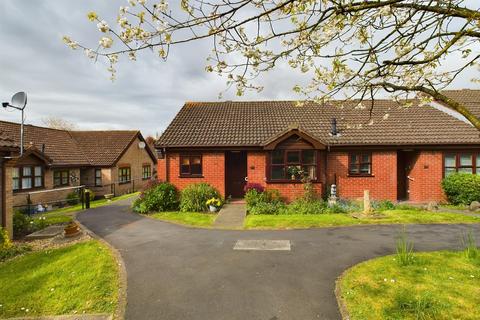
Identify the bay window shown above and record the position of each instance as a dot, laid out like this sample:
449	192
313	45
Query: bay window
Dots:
293	165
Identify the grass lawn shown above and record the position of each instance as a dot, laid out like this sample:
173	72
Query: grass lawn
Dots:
65	214
439	285
187	218
75	279
401	216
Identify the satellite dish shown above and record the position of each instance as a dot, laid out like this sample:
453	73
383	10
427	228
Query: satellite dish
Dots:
19	100
141	145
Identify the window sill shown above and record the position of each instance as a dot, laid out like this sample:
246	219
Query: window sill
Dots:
147	178
61	186
28	190
360	175
191	176
124	182
289	181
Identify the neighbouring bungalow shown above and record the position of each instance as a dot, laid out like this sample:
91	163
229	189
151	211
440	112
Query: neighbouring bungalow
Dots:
107	162
396	152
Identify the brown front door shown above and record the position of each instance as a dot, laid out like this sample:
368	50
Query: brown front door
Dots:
236	171
405	162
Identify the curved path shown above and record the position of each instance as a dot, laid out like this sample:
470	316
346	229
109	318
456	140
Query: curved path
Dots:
180	273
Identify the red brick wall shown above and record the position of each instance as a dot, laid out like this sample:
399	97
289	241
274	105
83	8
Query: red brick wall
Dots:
162	169
427	174
213	167
382	184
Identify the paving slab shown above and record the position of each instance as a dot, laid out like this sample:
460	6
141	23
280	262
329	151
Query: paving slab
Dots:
231	216
48	232
273	245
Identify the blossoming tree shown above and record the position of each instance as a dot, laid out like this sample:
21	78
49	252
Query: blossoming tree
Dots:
355	47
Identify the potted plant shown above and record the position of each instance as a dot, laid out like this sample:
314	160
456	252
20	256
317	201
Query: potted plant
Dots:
71	230
294	171
213	204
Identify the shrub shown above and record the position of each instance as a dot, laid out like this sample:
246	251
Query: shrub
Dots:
22	224
12	251
194	197
383	205
253	186
272	195
160	197
5	242
462	188
266	202
73	198
253	197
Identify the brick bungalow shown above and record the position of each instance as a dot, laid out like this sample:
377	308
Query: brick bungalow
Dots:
108	162
396	152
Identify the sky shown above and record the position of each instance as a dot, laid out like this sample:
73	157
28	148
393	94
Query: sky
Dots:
147	93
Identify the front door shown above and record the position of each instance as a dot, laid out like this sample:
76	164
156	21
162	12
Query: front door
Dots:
405	162
236	172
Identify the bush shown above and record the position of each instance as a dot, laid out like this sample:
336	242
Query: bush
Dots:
462	188
253	197
5	242
21	224
73	198
253	186
194	197
159	197
383	205
12	251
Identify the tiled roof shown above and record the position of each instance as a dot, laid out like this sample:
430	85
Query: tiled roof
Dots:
467	97
103	148
74	148
6	141
59	144
242	123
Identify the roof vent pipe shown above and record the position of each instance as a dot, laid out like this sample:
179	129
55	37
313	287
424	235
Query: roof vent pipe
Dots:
43	148
334	131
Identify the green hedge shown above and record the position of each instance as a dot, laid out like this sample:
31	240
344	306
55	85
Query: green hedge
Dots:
462	188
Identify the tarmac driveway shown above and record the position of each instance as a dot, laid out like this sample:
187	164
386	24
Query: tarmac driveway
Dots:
180	273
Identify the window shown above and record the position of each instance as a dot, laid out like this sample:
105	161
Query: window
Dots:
461	162
98	177
146	171
124	175
27	177
360	164
16	178
191	165
60	178
293	164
